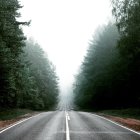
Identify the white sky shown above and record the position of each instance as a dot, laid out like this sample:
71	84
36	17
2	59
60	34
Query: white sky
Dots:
63	28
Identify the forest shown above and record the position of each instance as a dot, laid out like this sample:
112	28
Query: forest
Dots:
109	76
28	78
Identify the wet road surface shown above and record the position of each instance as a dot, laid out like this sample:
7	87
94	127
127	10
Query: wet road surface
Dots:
67	125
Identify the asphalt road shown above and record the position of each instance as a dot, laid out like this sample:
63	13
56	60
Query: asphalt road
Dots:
70	125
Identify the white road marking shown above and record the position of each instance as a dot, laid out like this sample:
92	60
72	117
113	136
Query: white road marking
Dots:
117	124
68	117
67	126
18	123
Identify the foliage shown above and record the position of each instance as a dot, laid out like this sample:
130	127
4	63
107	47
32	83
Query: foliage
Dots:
127	13
42	77
93	83
126	113
11	44
7	114
110	74
28	78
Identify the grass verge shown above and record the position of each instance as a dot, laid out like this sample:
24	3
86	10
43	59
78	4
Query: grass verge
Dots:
125	113
8	114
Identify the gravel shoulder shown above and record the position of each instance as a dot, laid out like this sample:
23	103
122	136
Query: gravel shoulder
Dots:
128	122
6	123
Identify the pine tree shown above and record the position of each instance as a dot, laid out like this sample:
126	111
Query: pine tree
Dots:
11	44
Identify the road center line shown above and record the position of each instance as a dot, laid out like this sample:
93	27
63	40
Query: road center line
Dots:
67	126
68	117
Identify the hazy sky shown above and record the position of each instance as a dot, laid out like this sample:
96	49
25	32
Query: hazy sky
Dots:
64	28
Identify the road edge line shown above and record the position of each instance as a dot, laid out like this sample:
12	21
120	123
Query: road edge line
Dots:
117	124
19	122
67	127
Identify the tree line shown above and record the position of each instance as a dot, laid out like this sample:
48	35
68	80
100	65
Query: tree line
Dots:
109	76
27	77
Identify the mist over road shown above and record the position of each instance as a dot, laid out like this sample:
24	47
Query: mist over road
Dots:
67	125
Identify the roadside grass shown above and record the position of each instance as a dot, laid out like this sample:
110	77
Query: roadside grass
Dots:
133	113
8	114
125	113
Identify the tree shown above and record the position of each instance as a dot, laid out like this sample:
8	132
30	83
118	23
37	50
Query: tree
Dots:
43	74
127	15
28	79
11	44
110	79
94	82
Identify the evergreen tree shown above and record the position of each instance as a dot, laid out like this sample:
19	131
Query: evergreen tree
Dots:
94	82
28	79
127	15
11	44
43	74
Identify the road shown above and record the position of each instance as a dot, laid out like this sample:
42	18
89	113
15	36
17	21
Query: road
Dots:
67	125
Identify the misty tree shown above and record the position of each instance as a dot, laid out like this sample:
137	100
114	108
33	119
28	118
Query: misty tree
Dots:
42	72
127	15
110	73
93	83
28	79
11	44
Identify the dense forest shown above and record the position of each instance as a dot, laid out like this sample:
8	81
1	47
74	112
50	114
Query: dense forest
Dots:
27	77
109	76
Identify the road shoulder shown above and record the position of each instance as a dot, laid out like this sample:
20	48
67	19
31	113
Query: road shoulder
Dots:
128	122
6	123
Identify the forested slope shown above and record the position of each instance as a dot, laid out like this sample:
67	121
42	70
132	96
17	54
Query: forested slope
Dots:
27	77
110	73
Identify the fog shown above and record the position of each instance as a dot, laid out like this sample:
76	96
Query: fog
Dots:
63	29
